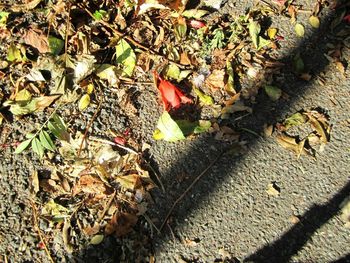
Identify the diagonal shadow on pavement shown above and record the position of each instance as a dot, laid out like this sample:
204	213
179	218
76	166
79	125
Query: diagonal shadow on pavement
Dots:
265	111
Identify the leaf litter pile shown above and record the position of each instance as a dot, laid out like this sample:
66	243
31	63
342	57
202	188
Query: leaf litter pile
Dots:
61	60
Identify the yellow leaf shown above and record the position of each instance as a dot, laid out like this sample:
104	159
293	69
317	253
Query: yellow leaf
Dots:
84	102
299	30
314	21
271	32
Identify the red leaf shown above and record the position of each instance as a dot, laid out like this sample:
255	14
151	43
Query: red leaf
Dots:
171	95
347	18
119	140
197	24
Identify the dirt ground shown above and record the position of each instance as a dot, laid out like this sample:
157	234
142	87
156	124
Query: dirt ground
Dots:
227	216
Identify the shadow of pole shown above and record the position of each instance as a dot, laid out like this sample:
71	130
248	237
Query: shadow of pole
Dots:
292	241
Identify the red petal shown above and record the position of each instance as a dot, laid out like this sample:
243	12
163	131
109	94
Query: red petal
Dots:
169	94
183	98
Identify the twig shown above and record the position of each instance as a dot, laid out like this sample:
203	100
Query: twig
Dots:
112	143
36	225
156	175
189	188
88	126
106	207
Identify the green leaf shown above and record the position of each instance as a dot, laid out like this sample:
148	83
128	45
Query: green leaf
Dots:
55	211
254	31
14	54
295	120
263	42
99	14
30	135
314	21
205	99
23	95
180	29
173	71
273	92
3	18
218	39
299	30
194	13
298	64
22	146
46	141
125	56
97	239
203	126
37	147
56	45
58	128
169	128
27	107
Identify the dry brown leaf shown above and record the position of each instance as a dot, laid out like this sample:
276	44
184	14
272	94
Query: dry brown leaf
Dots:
121	224
290	143
36	38
91	185
216	79
131	181
294	219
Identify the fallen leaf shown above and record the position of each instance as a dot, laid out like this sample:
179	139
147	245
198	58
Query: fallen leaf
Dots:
254	31
54	211
33	105
216	80
294	219
131	181
299	30
91	185
108	72
273	189
295	120
203	98
168	129
194	13
56	45
121	224
37	39
271	32
290	143
97	239
84	102
171	95
314	21
126	57
273	92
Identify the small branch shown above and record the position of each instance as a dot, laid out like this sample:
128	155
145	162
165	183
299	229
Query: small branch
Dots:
106	207
96	139
36	225
189	188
